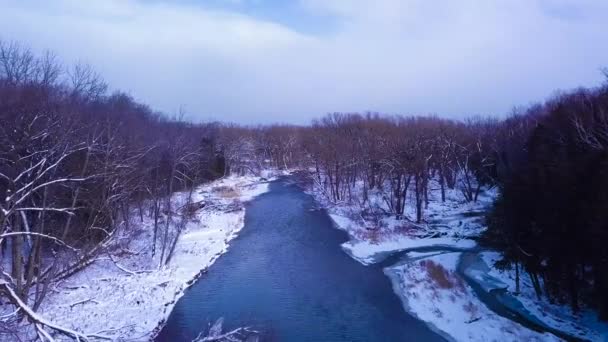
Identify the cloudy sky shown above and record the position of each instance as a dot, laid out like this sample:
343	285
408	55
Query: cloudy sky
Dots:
260	61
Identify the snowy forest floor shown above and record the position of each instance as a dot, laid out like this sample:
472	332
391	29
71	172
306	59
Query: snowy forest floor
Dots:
427	280
124	295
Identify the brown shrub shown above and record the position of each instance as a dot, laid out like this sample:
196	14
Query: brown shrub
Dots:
371	235
472	309
226	191
406	229
443	278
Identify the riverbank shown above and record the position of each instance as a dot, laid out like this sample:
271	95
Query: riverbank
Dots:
124	295
431	289
584	325
287	273
425	274
453	224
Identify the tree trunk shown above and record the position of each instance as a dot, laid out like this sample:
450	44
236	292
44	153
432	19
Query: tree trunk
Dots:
442	183
17	249
418	190
169	215
83	171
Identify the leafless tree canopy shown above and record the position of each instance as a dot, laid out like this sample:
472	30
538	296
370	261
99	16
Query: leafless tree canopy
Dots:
74	162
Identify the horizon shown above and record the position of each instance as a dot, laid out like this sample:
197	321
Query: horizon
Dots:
264	61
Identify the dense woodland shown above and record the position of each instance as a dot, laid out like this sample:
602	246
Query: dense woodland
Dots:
552	213
76	160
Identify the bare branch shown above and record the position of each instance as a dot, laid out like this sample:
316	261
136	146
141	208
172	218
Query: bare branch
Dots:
58	241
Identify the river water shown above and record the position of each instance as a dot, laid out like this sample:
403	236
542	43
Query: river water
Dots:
287	276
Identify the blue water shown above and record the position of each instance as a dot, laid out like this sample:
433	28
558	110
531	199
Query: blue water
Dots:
286	276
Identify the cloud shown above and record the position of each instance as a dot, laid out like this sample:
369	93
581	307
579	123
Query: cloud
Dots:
398	56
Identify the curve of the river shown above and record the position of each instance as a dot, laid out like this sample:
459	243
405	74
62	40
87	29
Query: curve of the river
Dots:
286	276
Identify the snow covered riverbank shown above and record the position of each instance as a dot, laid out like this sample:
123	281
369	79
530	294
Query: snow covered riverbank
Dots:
428	282
431	290
453	224
124	295
584	325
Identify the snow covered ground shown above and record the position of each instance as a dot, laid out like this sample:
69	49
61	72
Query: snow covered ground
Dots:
584	325
428	282
126	296
431	290
445	224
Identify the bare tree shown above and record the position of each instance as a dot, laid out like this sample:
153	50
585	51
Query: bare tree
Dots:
18	64
85	82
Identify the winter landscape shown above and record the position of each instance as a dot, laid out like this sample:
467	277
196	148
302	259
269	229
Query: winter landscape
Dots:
303	170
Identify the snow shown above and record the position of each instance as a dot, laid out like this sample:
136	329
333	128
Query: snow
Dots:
449	305
369	252
432	291
584	325
130	300
445	224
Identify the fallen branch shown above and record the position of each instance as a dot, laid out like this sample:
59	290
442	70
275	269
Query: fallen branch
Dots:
114	329
473	320
68	211
84	301
40	322
215	333
127	270
4	317
228	336
58	241
43	333
77	287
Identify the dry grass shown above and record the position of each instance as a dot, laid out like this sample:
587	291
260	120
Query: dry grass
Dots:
472	309
443	278
374	236
189	210
226	191
407	229
382	233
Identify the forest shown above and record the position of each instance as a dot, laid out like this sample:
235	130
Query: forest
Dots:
73	160
77	158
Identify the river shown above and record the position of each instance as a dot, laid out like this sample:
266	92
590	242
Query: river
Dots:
286	276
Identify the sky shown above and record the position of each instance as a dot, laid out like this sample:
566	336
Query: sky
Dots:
289	61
